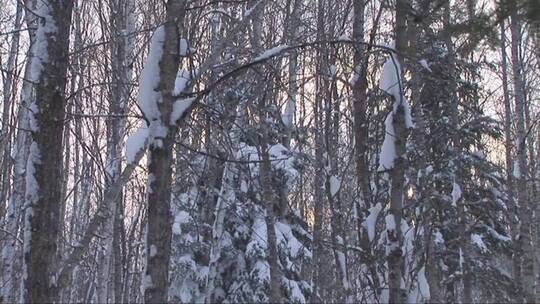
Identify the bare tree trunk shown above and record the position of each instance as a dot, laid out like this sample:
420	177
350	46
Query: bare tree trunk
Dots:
11	248
332	188
361	127
520	173
111	278
271	203
159	227
397	174
532	192
44	175
360	120
9	87
269	198
318	182
516	264
293	25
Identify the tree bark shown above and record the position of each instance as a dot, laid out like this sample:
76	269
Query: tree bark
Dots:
111	278
11	249
516	264
9	86
397	174
318	181
520	173
44	168
159	227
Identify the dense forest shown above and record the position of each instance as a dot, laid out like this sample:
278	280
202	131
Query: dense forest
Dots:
269	151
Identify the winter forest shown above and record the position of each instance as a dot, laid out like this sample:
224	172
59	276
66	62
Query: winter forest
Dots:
269	151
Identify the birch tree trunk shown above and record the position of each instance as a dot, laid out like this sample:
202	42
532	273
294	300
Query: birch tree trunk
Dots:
11	248
121	48
44	175
360	122
292	33
9	86
520	171
397	174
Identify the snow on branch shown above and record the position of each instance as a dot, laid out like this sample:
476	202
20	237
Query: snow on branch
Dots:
149	94
391	83
271	53
136	143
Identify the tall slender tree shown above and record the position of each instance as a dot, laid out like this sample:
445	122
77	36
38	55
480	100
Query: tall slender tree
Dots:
159	76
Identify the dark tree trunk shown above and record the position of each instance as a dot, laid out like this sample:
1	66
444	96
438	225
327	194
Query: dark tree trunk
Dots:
43	201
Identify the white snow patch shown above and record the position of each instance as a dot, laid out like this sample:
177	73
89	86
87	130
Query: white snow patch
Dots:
257	243
183	47
187	261
179	107
147	283
479	242
332	71
439	239
390	80
517	171
182	217
296	295
390	222
343	266
344	37
456	194
407	111
180	83
251	9
27	235
46	27
461	259
388	150
261	270
153	250
151	178
425	65
136	143
335	185
288	113
285	236
423	284
149	94
371	220
32	110
32	187
202	273
355	75
243	186
271	52
498	236
281	158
